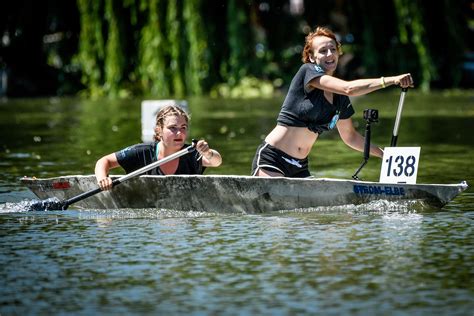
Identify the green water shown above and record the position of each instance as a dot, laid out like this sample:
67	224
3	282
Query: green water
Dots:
50	137
336	261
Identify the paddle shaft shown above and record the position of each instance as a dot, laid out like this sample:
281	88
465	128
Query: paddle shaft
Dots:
135	173
393	142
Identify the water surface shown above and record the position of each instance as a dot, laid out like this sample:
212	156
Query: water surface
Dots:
381	258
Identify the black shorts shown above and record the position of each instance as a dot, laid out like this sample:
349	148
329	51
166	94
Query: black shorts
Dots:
270	158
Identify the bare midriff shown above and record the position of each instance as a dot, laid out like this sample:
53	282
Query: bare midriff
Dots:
295	141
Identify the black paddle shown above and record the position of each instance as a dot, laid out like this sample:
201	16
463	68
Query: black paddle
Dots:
52	204
393	143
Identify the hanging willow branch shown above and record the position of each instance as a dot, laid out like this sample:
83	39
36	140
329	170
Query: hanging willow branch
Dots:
152	65
411	23
91	45
162	48
197	68
115	57
173	23
237	24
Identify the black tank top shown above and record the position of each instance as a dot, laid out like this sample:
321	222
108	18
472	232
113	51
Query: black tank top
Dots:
309	108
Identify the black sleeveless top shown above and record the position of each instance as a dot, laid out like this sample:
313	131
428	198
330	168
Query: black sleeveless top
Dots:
309	108
140	155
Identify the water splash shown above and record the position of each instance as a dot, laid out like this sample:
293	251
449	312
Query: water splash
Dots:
31	206
380	207
149	213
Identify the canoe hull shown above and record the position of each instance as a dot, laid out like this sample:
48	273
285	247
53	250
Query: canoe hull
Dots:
237	193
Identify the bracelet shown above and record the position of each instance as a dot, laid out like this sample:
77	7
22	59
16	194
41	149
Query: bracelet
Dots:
382	82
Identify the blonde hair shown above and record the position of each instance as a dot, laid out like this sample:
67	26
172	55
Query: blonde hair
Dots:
170	110
308	47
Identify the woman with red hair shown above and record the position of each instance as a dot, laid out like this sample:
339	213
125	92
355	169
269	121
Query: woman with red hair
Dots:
316	102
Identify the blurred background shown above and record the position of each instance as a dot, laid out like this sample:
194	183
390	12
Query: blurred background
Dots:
225	48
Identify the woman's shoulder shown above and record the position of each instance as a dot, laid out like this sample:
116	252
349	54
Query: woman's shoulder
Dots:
137	152
312	67
139	147
142	146
149	144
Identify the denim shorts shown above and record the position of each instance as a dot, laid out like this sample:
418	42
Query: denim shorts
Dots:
270	158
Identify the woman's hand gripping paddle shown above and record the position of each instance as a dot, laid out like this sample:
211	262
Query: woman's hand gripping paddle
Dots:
54	204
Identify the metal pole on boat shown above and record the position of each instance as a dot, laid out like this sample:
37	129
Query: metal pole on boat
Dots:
393	143
370	116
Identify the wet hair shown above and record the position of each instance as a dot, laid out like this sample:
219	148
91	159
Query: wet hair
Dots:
308	46
170	110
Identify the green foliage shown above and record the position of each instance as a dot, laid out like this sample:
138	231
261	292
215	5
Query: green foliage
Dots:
197	66
174	23
115	58
373	48
237	21
247	87
152	65
412	30
165	48
91	45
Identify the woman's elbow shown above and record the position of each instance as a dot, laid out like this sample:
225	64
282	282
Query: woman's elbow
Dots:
348	90
101	164
351	91
105	163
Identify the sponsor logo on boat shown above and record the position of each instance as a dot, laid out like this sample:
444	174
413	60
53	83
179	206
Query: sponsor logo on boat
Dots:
376	189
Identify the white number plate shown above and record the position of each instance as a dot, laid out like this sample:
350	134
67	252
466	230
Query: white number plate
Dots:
400	165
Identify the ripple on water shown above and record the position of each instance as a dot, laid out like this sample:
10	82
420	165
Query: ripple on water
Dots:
374	207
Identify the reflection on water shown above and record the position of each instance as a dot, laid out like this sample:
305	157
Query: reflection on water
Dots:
374	259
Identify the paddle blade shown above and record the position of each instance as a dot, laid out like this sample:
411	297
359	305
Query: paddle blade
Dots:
51	204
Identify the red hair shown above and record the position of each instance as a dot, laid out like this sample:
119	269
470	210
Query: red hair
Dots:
308	46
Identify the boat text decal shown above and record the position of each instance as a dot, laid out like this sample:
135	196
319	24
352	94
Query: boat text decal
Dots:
377	189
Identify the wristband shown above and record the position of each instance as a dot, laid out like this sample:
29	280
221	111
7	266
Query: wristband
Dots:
382	82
